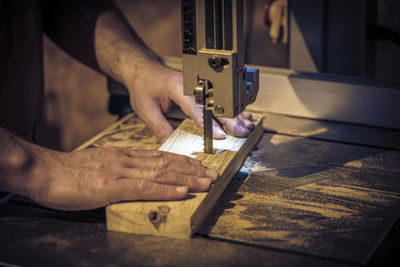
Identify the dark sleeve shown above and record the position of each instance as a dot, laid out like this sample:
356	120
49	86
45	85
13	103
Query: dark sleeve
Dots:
71	25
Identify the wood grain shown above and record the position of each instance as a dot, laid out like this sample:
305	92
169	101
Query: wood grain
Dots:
181	219
128	132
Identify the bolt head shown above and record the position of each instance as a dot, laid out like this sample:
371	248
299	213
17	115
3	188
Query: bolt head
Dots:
219	110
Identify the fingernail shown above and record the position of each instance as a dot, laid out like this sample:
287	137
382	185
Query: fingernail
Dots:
204	181
156	152
211	173
182	189
221	133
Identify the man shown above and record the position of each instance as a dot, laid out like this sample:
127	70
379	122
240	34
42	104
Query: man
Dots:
95	33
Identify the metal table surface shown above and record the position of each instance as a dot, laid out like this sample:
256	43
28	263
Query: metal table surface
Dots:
312	193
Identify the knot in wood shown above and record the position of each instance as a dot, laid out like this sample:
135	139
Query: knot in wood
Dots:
159	216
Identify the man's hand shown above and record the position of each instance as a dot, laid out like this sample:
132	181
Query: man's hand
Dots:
153	88
155	93
93	178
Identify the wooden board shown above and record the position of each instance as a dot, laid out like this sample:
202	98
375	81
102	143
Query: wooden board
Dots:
128	132
181	219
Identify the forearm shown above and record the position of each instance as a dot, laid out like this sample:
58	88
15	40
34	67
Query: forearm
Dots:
121	53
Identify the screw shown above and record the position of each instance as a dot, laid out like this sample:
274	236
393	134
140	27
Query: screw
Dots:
219	109
215	62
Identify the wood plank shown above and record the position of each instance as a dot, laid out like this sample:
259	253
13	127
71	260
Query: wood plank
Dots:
181	219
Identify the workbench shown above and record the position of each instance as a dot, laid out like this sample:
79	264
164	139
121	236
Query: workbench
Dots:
313	193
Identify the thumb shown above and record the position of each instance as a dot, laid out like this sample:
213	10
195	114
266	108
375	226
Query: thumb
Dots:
190	108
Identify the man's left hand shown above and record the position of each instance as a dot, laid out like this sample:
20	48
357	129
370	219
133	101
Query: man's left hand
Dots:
152	97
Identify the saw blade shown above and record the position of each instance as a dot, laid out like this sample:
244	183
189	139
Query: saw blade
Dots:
208	131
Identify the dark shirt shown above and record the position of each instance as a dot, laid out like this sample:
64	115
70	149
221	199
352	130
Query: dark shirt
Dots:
21	66
69	23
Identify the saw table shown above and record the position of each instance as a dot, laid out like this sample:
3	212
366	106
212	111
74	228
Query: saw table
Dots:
312	193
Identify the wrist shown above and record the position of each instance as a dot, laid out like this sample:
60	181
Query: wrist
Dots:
17	166
120	52
141	73
23	166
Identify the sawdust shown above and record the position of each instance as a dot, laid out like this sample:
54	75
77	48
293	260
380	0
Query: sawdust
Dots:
309	132
256	226
248	218
232	219
355	193
282	139
355	164
281	220
257	167
327	210
279	235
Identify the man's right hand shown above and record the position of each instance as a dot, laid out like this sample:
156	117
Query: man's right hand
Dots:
95	177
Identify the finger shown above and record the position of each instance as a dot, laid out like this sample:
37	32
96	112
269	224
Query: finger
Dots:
199	171
178	163
170	161
194	183
153	162
246	118
187	104
181	158
169	177
249	124
153	117
189	166
245	115
235	126
143	153
141	189
190	108
218	132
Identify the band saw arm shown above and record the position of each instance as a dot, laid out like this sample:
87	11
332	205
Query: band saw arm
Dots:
213	60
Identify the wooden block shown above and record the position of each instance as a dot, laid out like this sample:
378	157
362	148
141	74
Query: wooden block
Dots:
181	219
